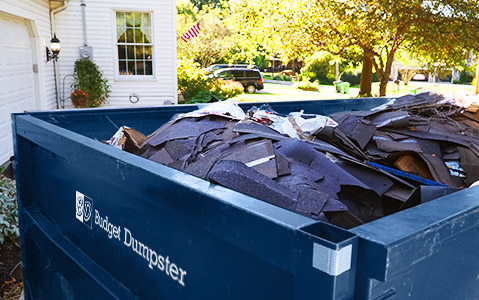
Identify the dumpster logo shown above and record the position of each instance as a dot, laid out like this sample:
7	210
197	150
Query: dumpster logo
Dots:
84	209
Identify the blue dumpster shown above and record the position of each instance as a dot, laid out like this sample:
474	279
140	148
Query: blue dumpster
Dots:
100	223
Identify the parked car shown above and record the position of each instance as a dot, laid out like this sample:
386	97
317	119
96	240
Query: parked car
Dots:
213	68
251	79
419	77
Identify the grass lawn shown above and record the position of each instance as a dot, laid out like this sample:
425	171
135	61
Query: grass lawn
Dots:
443	88
281	92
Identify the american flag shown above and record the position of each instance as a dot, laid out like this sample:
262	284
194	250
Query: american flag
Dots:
191	33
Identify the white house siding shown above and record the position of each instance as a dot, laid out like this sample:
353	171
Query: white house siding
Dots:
24	33
101	35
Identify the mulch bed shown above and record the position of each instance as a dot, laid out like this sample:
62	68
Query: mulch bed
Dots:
10	256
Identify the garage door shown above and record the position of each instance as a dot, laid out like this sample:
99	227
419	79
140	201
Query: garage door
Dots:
17	90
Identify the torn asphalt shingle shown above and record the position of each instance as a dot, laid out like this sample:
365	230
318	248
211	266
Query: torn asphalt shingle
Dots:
343	175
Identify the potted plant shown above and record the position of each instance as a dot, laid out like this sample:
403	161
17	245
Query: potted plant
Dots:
89	85
79	98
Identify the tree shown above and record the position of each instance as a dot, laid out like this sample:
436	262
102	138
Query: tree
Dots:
214	40
380	28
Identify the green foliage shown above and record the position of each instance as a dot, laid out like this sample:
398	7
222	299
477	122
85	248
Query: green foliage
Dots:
354	78
306	85
225	89
214	40
318	67
196	88
89	79
200	4
435	30
8	210
465	77
191	79
282	77
186	7
201	97
216	43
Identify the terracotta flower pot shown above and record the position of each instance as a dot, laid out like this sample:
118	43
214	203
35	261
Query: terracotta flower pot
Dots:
79	98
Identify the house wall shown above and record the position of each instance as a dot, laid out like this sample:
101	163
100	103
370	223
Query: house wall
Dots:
37	13
101	35
26	78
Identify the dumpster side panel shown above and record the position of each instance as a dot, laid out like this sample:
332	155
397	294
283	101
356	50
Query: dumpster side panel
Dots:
428	252
140	229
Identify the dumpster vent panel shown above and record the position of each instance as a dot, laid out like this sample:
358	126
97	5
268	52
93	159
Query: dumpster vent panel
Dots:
330	261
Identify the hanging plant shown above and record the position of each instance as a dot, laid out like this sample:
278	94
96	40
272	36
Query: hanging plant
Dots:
89	80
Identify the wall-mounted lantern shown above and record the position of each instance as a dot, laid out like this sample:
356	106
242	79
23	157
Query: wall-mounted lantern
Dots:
52	53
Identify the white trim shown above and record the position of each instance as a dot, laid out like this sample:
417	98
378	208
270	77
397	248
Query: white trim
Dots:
16	11
36	60
175	64
35	41
116	66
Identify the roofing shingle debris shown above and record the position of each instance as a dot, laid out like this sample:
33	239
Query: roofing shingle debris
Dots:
347	169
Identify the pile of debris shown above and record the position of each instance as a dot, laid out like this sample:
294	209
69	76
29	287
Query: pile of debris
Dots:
347	169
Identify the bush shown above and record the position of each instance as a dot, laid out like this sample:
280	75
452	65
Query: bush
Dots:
225	89
8	210
465	77
306	85
351	77
196	88
355	78
191	79
474	82
282	77
89	79
318	68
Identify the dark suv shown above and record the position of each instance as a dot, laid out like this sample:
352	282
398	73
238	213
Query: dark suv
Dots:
251	79
213	68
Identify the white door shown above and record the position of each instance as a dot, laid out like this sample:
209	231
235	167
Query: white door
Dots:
17	89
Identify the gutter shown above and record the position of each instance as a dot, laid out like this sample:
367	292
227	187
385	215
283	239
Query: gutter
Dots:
54	12
53	30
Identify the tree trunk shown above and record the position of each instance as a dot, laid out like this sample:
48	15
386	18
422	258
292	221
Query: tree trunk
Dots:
477	78
383	84
384	71
366	77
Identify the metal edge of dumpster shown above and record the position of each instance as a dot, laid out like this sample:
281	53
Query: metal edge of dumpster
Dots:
384	259
425	252
326	258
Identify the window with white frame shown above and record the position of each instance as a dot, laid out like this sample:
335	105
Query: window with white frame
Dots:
134	43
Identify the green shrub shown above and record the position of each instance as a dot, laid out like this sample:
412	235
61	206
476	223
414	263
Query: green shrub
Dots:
306	85
89	79
282	77
355	78
225	89
201	97
196	88
318	67
191	79
474	81
8	210
352	78
465	77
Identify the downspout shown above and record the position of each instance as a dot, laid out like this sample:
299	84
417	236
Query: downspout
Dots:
83	18
53	31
